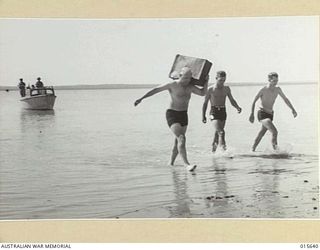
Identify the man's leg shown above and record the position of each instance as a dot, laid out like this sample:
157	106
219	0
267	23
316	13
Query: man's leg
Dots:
180	131
216	135
221	132
270	126
259	137
215	141
219	138
175	152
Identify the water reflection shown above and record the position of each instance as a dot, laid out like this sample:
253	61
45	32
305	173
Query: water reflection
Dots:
182	209
36	119
267	194
218	200
37	132
36	113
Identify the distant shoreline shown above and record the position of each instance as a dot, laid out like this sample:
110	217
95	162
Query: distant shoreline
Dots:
142	86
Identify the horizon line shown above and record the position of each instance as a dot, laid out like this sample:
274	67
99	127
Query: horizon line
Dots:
128	86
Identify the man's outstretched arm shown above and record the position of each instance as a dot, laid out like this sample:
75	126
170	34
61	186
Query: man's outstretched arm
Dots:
153	92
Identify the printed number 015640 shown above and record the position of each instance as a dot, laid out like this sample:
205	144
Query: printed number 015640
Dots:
308	245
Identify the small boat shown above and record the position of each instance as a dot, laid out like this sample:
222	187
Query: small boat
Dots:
39	98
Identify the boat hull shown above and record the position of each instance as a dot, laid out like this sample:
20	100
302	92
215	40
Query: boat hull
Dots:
39	102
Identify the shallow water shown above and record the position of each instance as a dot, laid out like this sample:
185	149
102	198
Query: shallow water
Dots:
98	156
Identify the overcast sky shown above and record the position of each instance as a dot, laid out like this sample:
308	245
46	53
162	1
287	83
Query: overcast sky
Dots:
141	51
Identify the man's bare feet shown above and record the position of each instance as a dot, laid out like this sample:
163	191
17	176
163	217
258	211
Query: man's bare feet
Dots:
191	168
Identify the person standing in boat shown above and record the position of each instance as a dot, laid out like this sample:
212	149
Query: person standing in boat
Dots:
22	87
39	85
177	115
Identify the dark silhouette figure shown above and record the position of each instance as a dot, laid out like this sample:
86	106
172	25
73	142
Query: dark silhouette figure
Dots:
22	87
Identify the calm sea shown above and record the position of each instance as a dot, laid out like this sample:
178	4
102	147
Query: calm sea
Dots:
98	156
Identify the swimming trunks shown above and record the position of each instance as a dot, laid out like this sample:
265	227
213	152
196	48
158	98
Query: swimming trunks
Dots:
174	116
264	115
218	113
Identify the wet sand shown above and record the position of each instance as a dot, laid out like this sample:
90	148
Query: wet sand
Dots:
241	186
245	186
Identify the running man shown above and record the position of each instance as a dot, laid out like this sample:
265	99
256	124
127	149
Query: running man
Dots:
217	95
177	115
268	95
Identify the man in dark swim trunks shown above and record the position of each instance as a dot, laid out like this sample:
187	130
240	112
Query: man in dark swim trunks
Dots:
268	96
217	95
177	115
174	116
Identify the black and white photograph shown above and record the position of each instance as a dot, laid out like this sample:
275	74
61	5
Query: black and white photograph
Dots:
159	118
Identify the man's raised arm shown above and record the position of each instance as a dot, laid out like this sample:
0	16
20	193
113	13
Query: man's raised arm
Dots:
196	90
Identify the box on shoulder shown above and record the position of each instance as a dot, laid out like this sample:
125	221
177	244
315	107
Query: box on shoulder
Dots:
200	68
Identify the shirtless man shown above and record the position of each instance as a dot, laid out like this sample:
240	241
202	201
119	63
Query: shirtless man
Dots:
177	115
217	95
268	95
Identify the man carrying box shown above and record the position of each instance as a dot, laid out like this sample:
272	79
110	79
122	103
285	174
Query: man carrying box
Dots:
180	91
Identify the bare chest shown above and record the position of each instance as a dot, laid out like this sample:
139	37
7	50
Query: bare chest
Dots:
219	93
180	92
269	95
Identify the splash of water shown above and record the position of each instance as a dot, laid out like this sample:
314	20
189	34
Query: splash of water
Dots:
285	149
283	152
221	153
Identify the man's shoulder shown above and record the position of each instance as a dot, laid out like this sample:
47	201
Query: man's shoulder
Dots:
278	88
174	83
264	88
210	90
214	87
226	89
169	84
